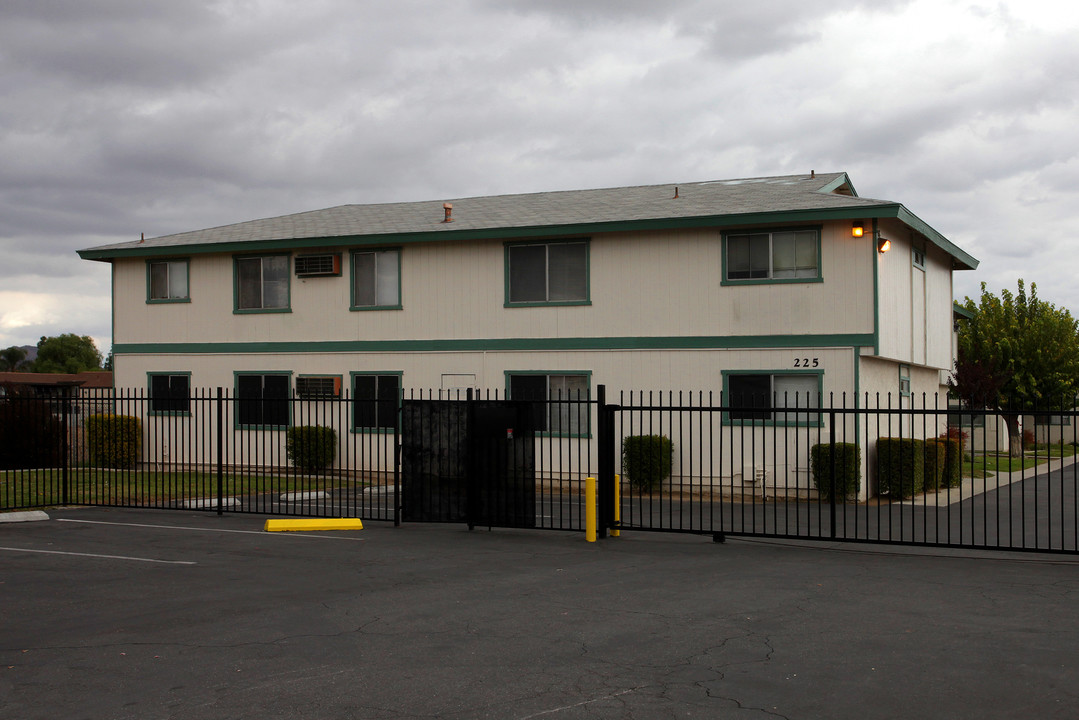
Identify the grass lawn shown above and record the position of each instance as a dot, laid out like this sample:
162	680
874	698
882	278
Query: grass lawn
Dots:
988	464
92	486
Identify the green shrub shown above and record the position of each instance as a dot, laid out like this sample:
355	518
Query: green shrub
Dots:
646	460
900	467
848	469
114	440
311	447
936	459
953	462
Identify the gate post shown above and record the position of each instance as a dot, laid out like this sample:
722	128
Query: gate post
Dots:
605	460
220	451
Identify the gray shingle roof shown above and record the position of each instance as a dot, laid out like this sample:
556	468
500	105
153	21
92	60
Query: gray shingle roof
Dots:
547	210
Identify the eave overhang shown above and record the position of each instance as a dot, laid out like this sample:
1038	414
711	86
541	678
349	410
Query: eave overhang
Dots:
963	261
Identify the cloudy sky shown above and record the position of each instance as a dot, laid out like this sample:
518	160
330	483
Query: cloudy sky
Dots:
122	117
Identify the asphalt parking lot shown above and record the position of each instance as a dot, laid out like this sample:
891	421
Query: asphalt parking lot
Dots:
158	614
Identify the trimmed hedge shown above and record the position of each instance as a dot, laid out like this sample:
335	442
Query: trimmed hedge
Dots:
900	467
848	469
311	447
936	458
647	460
953	462
114	440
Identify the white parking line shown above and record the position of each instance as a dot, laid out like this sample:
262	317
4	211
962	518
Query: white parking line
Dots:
217	530
104	557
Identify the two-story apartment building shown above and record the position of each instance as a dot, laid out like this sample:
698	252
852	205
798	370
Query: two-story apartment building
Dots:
747	287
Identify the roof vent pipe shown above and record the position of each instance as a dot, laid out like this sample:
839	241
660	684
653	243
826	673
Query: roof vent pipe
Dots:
142	237
675	192
448	207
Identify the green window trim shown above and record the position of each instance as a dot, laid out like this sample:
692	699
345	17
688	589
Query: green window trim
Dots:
917	257
586	400
237	401
508	249
376	253
152	397
236	289
375	429
727	234
771	374
168	263
904	381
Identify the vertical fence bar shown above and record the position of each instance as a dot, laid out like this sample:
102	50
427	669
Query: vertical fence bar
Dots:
63	444
831	471
220	405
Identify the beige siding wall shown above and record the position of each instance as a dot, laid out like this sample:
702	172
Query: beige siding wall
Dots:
678	371
915	304
761	452
641	284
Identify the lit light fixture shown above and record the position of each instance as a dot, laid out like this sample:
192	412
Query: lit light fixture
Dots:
884	245
857	230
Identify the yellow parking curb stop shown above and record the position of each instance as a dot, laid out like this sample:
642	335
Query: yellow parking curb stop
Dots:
313	524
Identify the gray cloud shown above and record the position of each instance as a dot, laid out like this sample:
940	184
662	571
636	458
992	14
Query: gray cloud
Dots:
129	117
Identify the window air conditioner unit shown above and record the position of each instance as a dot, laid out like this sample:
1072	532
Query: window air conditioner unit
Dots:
318	387
321	265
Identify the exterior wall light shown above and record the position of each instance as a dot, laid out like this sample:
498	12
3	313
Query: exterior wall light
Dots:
857	230
884	245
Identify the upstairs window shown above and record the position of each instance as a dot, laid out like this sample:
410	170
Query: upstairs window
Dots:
262	283
167	281
554	273
787	255
376	280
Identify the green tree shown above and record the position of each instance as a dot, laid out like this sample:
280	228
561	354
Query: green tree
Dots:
67	353
1017	353
12	358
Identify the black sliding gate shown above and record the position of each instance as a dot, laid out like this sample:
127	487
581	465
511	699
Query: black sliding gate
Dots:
470	461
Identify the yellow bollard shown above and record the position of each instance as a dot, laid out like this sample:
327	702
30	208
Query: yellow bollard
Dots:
615	532
590	509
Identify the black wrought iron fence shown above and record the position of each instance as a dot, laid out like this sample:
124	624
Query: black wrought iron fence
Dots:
325	454
910	470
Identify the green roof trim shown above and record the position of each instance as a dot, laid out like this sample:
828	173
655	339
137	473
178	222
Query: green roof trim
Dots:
838	183
503	344
968	262
962	311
